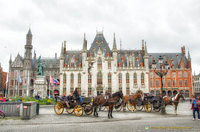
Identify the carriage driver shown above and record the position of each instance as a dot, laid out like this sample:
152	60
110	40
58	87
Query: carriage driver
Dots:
76	94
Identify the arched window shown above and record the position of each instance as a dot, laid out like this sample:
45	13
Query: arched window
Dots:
142	78
187	93
109	78
120	81
152	92
79	83
109	82
127	77
89	78
72	82
127	84
99	78
135	78
64	83
157	92
99	63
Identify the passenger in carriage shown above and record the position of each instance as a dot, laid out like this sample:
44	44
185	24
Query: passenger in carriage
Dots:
107	94
66	100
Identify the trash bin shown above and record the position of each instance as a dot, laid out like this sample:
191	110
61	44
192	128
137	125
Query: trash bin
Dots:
37	108
28	110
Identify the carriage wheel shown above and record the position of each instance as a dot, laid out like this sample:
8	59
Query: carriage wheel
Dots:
58	108
147	107
119	109
156	109
139	107
88	106
130	107
78	110
69	111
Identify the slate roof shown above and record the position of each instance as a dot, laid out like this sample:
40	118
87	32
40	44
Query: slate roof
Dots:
123	54
73	57
99	41
47	63
174	58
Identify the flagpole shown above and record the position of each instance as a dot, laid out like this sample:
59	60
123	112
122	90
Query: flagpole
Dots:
49	85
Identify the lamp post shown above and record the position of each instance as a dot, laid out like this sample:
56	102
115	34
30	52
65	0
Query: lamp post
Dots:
161	69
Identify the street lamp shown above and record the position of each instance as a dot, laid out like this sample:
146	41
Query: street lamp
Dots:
161	70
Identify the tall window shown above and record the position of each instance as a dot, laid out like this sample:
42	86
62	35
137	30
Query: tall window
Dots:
151	82
89	78
89	84
64	83
109	65
109	78
157	83
185	74
120	81
72	82
186	83
168	74
99	78
180	83
174	83
99	63
151	75
109	83
79	83
180	74
135	78
127	84
169	83
142	78
174	74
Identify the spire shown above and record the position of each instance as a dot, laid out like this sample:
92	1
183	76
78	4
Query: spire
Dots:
34	55
29	32
10	58
145	52
62	52
189	55
142	45
64	47
114	44
84	43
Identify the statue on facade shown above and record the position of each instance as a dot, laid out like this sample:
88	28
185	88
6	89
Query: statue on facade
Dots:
40	70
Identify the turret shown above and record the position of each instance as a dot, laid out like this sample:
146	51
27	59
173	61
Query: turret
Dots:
84	44
142	45
189	60
114	44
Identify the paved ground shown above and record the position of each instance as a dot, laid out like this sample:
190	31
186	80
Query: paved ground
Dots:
122	121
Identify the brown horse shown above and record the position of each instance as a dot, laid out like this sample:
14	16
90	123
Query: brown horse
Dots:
100	100
173	101
132	100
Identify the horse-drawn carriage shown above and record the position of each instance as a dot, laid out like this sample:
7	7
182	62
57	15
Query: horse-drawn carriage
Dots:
76	106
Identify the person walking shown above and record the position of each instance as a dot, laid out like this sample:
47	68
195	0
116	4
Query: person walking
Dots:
195	108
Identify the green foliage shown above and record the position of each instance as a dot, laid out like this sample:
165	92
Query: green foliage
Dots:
45	101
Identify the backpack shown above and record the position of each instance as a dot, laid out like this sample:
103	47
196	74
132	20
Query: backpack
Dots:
195	104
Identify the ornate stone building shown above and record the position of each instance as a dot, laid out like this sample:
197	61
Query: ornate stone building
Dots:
100	68
27	68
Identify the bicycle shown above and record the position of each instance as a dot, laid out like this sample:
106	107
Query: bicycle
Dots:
2	114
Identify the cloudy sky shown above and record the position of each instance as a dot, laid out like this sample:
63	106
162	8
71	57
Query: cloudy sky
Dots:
165	25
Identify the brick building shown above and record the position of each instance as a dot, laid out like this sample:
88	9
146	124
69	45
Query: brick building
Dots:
178	78
2	81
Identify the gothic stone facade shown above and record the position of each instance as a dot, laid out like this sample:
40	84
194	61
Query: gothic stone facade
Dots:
27	67
99	69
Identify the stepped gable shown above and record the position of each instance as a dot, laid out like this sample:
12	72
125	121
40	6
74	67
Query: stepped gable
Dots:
174	58
73	58
99	41
123	54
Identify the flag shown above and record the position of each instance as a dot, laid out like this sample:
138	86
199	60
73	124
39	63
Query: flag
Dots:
51	80
7	79
55	81
19	80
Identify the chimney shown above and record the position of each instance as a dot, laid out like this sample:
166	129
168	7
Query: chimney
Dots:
183	50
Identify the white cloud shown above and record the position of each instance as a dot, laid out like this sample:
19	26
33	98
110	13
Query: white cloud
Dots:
165	25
